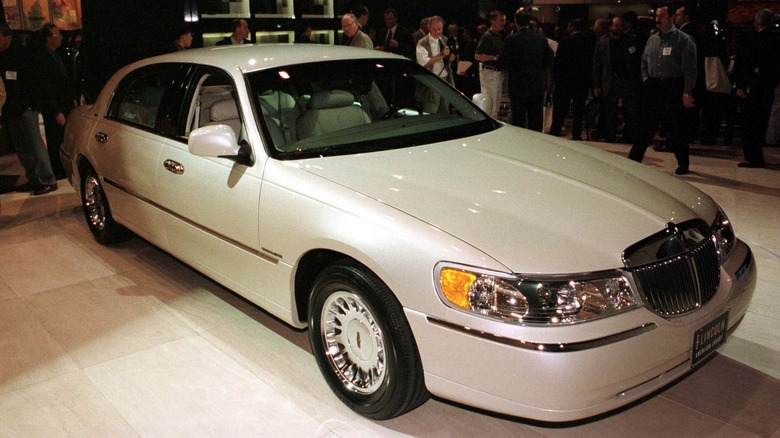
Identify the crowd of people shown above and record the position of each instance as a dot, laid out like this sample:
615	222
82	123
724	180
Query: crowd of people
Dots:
676	74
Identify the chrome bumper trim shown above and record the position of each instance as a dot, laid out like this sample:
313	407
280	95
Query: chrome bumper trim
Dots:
550	348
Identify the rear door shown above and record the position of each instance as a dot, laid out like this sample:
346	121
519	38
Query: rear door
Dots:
128	141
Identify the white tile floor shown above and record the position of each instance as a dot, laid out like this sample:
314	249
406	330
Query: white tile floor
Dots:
126	341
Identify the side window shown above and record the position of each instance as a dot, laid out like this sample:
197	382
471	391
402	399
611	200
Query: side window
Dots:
138	97
214	103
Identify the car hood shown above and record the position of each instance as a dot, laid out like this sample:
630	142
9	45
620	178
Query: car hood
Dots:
533	202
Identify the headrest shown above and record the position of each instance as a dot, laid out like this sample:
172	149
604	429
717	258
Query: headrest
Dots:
224	109
278	98
331	99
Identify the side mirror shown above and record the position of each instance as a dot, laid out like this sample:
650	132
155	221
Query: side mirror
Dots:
213	141
483	101
219	141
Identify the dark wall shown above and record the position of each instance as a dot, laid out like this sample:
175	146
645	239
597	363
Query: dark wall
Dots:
118	33
707	10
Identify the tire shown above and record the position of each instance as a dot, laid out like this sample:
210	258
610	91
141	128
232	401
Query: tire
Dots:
372	365
98	213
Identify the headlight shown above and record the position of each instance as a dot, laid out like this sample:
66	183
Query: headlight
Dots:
724	234
541	301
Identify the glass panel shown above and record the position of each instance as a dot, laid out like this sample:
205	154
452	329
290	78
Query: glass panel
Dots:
322	36
225	8
275	9
138	97
212	87
359	106
318	9
211	39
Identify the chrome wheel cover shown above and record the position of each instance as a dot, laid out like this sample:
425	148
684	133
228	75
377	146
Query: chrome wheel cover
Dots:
353	343
94	204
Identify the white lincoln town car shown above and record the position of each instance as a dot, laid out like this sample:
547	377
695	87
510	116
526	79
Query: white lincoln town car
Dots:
428	249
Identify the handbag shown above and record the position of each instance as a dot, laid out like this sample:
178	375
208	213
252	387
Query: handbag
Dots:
715	75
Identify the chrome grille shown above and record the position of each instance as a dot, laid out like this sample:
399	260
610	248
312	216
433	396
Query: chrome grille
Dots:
683	283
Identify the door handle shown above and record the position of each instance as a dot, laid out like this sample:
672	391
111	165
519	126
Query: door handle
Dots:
173	167
101	137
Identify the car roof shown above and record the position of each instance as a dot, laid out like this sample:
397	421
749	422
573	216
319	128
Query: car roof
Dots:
253	57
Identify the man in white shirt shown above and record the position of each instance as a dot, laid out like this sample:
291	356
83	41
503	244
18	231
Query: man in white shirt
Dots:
433	54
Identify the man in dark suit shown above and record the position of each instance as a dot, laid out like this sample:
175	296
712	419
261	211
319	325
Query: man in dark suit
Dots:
394	37
617	77
757	74
183	39
571	75
527	58
57	93
421	31
240	31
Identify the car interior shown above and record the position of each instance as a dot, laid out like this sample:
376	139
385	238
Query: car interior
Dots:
330	110
215	104
141	103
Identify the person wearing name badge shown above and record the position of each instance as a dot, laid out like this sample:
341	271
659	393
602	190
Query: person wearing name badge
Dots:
669	75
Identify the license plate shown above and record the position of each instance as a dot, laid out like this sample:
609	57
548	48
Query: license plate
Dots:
708	338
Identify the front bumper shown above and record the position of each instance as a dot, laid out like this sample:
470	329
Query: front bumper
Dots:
571	372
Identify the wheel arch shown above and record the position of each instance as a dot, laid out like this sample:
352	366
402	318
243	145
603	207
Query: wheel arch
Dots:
83	165
308	267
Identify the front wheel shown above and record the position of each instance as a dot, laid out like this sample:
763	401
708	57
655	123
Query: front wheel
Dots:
363	343
97	212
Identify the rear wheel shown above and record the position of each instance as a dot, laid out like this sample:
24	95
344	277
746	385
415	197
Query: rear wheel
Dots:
97	212
363	344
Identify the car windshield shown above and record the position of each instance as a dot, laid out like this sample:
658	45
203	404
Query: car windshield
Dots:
357	106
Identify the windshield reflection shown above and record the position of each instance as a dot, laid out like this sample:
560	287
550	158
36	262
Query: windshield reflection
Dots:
356	106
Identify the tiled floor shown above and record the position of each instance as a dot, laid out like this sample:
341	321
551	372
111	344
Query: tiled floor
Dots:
126	341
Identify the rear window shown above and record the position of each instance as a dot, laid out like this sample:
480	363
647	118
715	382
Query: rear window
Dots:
139	96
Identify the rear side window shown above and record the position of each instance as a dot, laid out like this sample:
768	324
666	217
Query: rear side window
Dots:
140	95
